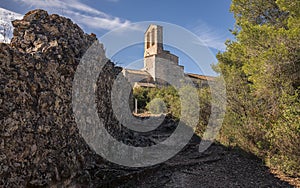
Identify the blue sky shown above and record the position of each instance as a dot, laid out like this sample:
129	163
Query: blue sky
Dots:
209	20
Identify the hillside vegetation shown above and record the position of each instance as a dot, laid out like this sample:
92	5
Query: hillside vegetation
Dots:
262	72
261	68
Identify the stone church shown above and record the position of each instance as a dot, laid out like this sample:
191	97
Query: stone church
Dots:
158	63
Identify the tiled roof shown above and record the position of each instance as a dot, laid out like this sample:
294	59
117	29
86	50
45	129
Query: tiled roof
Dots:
201	77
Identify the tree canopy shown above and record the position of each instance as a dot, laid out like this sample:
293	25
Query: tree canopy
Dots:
261	68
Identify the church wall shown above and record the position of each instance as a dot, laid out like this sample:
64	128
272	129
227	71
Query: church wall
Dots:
171	57
149	65
167	70
133	77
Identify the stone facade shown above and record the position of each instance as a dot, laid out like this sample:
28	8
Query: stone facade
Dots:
157	61
159	64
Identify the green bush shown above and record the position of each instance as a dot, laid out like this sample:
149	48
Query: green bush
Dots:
142	96
167	100
157	106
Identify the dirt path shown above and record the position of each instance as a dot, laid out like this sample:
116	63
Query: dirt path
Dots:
218	166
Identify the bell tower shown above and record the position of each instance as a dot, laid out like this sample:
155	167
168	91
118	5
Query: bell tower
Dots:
153	40
157	61
153	47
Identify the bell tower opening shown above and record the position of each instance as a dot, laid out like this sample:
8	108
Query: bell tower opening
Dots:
153	37
148	41
153	40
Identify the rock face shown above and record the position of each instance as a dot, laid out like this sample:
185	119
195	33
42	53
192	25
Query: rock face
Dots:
40	144
39	140
55	37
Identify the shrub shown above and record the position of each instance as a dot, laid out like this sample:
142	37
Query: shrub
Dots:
157	106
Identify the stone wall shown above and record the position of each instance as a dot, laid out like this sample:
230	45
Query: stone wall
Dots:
137	76
39	140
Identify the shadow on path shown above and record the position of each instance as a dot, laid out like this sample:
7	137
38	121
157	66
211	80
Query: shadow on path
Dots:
218	166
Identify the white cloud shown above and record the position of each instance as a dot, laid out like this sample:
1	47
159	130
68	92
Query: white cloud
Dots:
209	36
6	28
79	13
97	22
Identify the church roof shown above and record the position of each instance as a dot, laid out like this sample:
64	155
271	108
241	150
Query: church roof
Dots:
141	84
201	77
140	72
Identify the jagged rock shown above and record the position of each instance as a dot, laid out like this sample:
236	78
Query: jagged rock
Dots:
40	143
39	140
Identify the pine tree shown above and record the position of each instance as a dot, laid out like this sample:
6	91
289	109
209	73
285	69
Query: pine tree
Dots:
261	68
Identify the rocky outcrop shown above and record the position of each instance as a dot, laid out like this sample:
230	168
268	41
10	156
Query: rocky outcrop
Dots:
39	140
57	38
40	143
